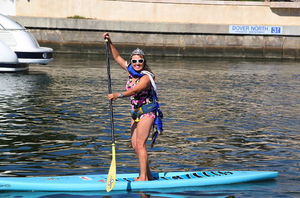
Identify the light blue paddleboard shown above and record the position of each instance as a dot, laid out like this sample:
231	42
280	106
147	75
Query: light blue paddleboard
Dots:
126	181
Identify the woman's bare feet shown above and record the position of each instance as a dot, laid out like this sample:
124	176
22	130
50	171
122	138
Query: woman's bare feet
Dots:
144	178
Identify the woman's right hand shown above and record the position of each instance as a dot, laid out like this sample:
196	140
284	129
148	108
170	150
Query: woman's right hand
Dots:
113	96
114	52
106	36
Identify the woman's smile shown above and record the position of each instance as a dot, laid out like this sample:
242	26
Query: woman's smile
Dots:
137	66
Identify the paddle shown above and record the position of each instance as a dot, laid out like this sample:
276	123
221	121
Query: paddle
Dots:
111	178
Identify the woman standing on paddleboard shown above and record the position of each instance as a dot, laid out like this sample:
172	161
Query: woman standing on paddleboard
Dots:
139	88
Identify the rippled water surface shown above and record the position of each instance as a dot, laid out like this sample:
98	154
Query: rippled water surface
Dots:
219	115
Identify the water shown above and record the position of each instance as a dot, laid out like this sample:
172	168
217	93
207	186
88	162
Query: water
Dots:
219	115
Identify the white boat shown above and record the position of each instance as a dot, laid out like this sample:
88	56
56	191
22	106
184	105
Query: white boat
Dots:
15	39
9	60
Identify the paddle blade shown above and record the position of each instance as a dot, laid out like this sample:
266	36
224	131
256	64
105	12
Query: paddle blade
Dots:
111	178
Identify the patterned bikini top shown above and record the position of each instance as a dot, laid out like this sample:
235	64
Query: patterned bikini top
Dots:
140	99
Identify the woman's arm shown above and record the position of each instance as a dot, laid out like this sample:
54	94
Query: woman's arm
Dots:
115	52
143	84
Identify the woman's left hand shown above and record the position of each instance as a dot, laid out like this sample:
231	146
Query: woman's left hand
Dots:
113	96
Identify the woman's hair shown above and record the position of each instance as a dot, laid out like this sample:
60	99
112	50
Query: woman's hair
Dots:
146	67
141	53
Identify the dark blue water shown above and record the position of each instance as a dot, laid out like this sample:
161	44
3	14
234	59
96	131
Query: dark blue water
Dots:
219	115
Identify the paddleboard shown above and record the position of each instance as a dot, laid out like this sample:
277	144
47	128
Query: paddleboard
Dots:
126	181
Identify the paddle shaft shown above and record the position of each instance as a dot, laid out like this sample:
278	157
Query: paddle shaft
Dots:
110	91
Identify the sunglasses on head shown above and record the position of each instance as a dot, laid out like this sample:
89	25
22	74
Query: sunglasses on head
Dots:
137	61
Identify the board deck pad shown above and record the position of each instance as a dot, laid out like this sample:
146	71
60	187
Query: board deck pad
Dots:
126	181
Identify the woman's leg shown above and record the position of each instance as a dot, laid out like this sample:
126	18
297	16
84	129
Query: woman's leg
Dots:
140	134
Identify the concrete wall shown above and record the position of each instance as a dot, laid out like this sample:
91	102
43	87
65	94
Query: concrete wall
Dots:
167	27
165	39
223	46
166	11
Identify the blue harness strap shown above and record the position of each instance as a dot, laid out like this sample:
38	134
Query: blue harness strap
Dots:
157	124
146	108
134	73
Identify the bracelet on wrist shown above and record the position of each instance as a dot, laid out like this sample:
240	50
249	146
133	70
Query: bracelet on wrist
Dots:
121	95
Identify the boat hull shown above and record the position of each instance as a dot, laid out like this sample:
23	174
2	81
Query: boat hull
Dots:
19	48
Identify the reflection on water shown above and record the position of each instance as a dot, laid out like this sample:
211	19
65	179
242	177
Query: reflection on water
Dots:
219	114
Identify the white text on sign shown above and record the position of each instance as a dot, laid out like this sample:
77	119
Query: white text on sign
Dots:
255	29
